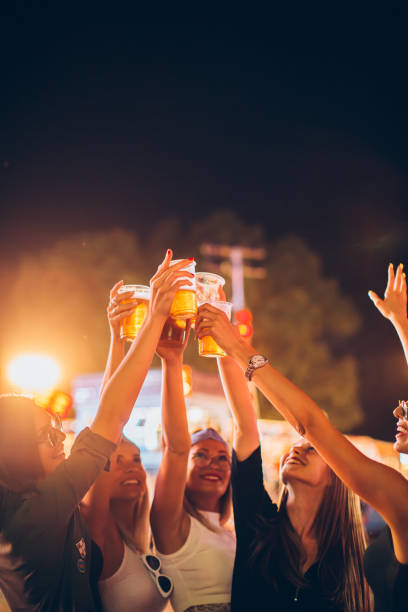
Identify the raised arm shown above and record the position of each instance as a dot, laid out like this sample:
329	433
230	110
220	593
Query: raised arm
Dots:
124	385
381	486
246	434
116	312
394	305
237	393
96	511
170	523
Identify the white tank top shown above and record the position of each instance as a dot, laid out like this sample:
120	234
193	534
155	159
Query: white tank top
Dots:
201	569
131	588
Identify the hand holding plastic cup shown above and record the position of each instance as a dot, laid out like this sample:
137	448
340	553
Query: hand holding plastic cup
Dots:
131	325
207	346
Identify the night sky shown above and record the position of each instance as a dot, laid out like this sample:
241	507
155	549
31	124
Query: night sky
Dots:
297	122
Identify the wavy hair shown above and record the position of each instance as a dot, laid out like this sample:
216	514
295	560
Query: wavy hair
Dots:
340	535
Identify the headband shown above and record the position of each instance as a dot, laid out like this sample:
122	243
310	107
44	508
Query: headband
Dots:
207	434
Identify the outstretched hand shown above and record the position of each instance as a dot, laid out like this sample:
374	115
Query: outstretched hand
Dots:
166	282
394	304
214	322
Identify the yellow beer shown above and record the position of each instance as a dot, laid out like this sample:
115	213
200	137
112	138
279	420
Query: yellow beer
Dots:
184	305
131	325
174	332
207	346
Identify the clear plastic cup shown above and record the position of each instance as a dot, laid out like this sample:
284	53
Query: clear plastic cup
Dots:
131	325
207	346
174	332
207	286
184	305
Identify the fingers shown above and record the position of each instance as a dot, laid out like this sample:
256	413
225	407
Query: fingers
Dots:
115	289
208	308
126	296
167	277
208	316
177	285
167	259
374	297
403	287
163	266
398	278
115	318
391	279
221	294
379	303
117	312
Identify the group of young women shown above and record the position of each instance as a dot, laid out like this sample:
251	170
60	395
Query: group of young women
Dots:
79	533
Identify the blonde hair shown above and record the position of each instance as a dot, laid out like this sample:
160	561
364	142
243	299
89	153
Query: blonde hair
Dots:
340	535
225	508
138	537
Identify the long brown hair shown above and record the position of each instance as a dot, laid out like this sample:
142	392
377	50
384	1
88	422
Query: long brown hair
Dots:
339	531
20	465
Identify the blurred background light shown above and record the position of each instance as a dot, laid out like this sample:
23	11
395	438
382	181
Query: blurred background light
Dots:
33	372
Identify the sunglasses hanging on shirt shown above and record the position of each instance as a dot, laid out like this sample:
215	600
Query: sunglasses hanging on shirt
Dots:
163	583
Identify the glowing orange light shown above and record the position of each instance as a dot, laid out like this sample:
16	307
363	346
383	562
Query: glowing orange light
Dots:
245	330
244	320
243	316
55	402
33	372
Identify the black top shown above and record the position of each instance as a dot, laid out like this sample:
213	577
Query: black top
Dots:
386	576
251	589
48	534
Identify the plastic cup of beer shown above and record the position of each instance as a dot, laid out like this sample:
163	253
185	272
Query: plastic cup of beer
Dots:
207	286
131	325
207	346
184	305
174	332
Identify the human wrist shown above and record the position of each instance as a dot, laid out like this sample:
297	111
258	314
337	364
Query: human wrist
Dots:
174	360
241	352
155	319
116	337
400	322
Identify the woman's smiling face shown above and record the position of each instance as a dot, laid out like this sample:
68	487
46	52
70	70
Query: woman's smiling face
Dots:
127	475
209	467
304	464
401	437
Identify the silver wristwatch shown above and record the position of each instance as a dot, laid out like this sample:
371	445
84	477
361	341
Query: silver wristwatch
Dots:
255	362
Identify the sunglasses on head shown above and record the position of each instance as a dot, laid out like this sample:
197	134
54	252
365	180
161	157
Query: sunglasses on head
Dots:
163	583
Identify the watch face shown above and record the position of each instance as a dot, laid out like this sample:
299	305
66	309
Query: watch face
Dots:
258	361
